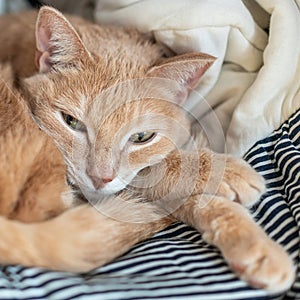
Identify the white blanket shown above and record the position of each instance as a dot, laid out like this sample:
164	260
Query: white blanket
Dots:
254	85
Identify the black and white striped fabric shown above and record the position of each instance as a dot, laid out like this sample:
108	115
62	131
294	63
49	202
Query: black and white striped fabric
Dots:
176	263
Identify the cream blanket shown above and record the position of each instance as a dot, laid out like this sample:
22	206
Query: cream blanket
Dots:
254	84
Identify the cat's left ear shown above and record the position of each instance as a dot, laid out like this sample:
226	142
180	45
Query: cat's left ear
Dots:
185	69
58	44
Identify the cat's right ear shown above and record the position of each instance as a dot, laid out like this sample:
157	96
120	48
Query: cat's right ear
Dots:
57	42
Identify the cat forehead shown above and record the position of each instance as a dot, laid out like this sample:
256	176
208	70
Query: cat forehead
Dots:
140	96
104	91
98	79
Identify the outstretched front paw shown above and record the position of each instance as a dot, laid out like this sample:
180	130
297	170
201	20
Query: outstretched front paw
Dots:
250	253
263	265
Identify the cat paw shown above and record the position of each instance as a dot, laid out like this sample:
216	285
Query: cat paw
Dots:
265	265
247	249
240	182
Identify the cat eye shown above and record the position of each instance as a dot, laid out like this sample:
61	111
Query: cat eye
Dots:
142	137
73	122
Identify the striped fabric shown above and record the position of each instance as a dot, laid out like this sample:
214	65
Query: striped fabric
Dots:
176	263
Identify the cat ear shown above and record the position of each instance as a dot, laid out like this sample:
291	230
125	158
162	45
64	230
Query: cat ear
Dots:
185	69
58	44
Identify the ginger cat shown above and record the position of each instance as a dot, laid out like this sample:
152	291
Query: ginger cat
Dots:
112	104
34	189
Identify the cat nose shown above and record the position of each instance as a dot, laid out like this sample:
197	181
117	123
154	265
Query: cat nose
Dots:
99	183
100	180
106	180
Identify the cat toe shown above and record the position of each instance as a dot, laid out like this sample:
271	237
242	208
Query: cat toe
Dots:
247	184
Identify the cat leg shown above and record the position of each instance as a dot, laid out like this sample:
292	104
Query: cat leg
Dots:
188	173
248	250
225	182
78	240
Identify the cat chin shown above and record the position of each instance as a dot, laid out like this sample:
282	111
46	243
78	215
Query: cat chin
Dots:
113	187
93	195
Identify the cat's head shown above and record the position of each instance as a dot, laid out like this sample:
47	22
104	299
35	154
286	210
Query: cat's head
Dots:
112	105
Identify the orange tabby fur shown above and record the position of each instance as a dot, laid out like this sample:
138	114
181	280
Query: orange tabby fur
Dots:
75	68
32	174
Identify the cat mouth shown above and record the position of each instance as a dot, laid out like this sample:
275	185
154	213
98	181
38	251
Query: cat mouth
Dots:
88	194
84	194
